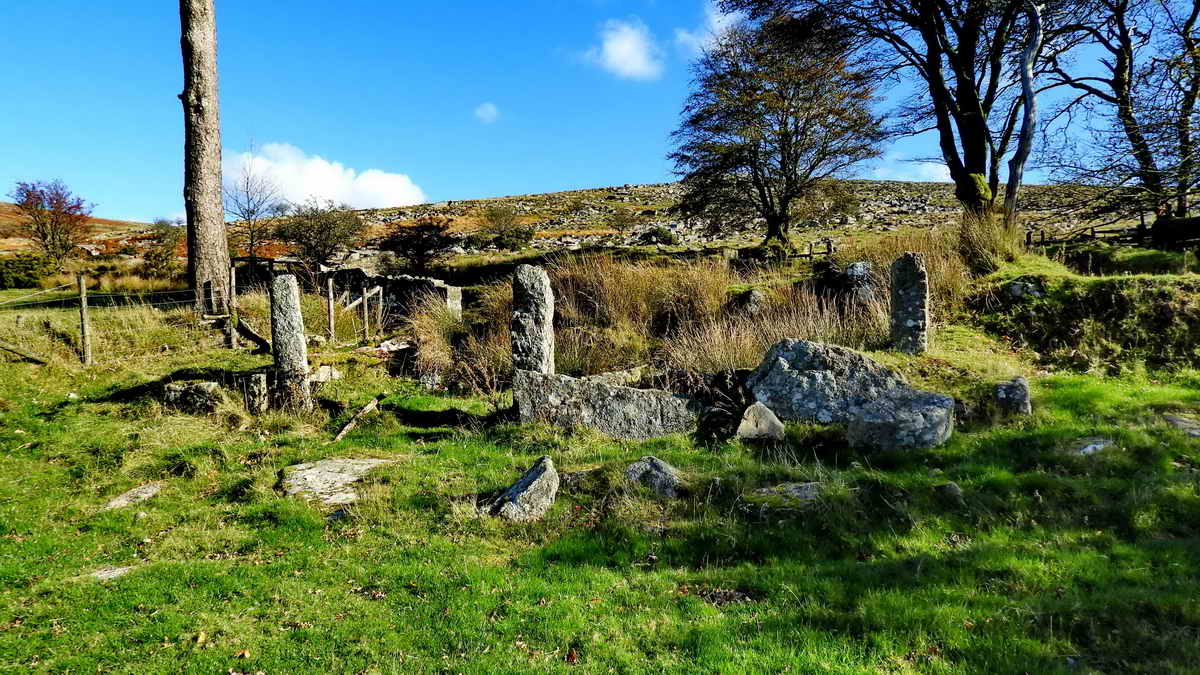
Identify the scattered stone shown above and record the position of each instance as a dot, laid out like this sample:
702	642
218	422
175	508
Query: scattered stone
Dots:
137	495
317	341
1090	446
913	420
811	382
749	303
950	492
760	424
324	374
72	396
110	573
620	412
530	497
258	396
788	496
533	321
662	478
910	304
328	481
1019	290
197	398
1014	397
1188	425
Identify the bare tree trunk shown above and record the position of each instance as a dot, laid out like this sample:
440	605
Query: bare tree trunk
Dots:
208	250
1016	165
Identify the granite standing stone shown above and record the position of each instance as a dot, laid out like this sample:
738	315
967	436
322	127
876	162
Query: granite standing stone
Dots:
533	320
910	304
289	345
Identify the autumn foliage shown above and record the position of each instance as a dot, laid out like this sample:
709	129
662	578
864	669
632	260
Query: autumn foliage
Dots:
54	218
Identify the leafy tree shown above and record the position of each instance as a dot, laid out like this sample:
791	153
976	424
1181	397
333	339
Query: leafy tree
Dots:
501	226
319	231
622	220
160	260
777	109
54	218
420	245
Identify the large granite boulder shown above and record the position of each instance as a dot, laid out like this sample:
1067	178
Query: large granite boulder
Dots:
620	412
811	382
530	497
911	420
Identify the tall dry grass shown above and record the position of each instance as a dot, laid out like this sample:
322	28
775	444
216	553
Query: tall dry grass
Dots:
949	274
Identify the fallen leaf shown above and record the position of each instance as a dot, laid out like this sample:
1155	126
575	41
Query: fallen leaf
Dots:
244	654
573	656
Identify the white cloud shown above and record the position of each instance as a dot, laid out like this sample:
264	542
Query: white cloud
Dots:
301	176
487	113
628	50
694	42
897	166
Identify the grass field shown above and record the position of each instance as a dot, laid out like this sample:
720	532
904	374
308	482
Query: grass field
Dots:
1050	563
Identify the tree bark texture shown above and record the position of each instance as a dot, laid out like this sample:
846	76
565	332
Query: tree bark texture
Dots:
208	249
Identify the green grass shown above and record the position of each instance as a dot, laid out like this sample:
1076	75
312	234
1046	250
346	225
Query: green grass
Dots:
1052	563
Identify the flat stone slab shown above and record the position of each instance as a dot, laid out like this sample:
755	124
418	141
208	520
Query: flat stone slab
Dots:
110	573
329	481
785	497
620	412
1188	425
137	495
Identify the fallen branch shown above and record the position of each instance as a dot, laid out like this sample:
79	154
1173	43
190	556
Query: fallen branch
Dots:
22	353
366	410
244	329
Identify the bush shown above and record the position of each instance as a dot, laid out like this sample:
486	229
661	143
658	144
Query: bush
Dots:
987	242
24	271
660	235
501	227
160	261
318	231
622	220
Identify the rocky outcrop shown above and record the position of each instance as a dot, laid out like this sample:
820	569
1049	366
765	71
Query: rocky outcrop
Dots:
530	497
620	412
806	381
329	481
661	478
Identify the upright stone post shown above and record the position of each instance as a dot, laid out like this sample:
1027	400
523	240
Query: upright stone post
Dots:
288	345
533	320
910	304
257	396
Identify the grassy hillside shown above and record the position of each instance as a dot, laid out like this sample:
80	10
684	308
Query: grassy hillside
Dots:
1050	561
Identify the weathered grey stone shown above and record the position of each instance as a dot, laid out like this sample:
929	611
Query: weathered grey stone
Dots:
1013	397
620	412
662	478
950	492
620	378
1087	447
1187	425
317	341
324	374
910	304
258	398
749	303
110	573
910	420
788	496
811	382
860	283
1019	290
760	424
533	320
329	481
137	495
198	398
288	345
530	497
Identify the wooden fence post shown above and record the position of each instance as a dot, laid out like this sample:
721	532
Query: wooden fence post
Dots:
85	330
366	316
231	336
379	309
329	326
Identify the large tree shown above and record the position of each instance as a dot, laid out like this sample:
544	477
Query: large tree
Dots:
54	219
964	53
777	109
1131	123
208	248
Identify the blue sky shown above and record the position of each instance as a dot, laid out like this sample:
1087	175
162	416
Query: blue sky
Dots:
372	102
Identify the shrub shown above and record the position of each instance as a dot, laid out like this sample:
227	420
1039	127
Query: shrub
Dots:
622	220
318	231
24	271
501	226
420	245
660	235
160	261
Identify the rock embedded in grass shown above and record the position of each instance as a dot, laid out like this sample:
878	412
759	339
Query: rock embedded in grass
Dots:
1188	425
1014	398
662	478
760	424
912	420
110	573
530	497
329	481
197	398
785	497
620	412
1087	447
137	495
